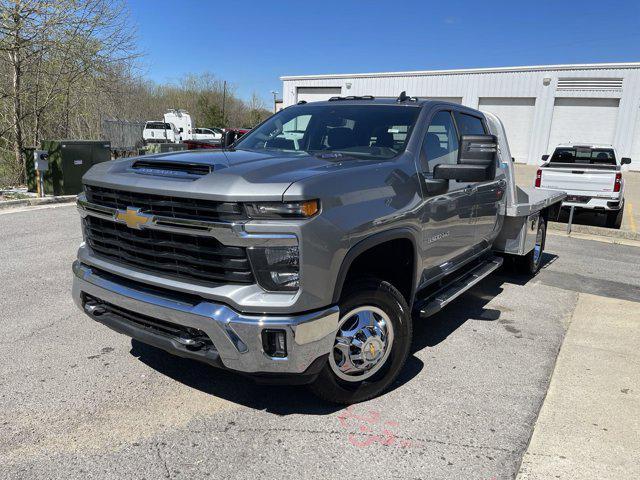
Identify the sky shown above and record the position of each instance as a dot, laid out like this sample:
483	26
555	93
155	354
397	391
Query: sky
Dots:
251	44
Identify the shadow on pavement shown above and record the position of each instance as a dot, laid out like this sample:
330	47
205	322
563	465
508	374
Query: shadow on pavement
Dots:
277	399
286	400
582	217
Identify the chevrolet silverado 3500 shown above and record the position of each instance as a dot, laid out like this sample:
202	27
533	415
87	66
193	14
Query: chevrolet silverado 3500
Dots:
306	260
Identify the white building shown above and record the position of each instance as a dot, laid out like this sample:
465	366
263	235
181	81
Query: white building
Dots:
541	106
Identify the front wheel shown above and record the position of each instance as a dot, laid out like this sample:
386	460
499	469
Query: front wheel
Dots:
371	345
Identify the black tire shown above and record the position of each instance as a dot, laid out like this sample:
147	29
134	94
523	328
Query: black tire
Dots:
614	219
384	296
530	263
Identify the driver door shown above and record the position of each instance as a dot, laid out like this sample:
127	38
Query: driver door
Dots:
447	217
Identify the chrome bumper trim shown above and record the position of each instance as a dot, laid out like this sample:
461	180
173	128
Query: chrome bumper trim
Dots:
227	233
237	337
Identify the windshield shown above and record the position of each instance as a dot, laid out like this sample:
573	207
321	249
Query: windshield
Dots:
362	131
584	155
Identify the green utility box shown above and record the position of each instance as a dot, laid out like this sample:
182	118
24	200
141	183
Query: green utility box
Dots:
69	160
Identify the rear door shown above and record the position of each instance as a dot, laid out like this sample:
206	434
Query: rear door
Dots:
447	230
488	194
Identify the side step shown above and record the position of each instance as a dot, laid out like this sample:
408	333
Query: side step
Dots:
458	286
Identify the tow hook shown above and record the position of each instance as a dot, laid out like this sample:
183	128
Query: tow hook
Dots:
93	308
190	342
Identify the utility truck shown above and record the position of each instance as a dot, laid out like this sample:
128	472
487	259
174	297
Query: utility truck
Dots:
591	175
182	121
307	259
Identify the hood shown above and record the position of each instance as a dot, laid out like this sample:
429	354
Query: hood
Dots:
237	175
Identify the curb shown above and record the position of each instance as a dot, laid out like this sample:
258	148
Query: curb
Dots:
599	231
32	202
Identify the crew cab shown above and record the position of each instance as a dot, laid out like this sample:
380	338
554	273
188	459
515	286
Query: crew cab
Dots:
306	257
160	132
591	175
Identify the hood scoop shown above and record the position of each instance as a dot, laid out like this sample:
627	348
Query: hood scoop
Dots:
171	169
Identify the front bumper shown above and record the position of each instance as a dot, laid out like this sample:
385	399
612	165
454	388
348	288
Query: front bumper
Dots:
236	337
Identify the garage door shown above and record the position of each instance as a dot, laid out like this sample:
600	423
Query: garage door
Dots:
317	94
517	116
583	120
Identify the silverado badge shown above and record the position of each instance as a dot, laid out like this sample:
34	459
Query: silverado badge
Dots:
133	217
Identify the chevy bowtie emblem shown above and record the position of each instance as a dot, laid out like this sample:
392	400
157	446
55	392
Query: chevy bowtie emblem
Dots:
133	217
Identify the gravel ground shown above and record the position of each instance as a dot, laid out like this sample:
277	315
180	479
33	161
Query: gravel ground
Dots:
80	401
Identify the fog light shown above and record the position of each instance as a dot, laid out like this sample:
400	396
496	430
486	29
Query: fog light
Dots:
274	343
276	268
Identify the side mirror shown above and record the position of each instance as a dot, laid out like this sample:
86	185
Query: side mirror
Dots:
477	149
228	138
463	173
625	161
545	158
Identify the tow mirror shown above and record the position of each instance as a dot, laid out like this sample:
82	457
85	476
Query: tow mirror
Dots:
545	158
477	149
476	160
463	173
625	161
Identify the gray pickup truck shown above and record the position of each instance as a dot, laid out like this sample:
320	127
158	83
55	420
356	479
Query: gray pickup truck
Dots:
303	252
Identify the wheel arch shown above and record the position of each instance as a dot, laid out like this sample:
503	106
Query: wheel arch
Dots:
377	241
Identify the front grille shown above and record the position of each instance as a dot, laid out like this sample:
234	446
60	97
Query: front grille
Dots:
167	206
184	257
159	327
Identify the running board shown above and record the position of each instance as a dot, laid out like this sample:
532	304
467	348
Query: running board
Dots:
458	286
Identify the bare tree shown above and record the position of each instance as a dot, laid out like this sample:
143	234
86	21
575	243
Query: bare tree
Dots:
55	51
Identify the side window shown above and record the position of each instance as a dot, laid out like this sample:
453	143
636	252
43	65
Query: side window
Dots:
440	144
469	125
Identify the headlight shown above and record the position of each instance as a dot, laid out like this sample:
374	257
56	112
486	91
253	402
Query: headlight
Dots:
276	210
276	268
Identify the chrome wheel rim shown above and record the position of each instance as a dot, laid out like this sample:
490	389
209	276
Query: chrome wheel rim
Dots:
363	343
537	249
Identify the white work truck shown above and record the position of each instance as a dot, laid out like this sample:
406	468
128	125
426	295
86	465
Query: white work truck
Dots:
182	120
591	175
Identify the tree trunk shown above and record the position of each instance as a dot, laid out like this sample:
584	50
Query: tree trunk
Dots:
18	141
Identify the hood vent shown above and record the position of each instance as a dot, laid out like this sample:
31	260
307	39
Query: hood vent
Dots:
606	84
171	169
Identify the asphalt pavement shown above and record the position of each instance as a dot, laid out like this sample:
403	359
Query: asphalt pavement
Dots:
80	401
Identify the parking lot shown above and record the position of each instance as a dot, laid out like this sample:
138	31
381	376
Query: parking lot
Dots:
80	401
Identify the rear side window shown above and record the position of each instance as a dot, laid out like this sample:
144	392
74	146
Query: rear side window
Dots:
584	155
469	125
158	126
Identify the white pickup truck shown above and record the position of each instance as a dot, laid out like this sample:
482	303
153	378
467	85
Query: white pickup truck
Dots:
160	132
591	175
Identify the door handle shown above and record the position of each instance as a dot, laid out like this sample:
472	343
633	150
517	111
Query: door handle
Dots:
470	189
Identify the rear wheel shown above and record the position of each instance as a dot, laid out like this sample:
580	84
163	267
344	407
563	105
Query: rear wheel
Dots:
614	219
371	345
531	262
